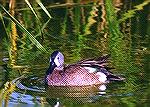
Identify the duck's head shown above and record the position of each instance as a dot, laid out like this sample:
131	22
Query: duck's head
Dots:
56	62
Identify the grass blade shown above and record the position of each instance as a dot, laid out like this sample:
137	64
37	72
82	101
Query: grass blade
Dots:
43	7
24	30
28	3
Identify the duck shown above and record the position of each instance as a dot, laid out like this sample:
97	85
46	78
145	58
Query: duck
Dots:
86	72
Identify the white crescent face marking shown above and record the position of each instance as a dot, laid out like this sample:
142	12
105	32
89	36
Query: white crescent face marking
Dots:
59	60
56	60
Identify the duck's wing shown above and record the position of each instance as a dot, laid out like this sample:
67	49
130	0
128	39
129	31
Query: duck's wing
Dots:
101	65
92	62
97	62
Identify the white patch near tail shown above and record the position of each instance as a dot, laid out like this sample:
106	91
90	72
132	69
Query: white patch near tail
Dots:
102	76
102	87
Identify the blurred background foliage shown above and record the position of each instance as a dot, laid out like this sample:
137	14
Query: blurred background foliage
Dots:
34	28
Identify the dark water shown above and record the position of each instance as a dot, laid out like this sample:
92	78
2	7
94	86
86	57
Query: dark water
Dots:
80	31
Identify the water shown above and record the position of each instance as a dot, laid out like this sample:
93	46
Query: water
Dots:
79	32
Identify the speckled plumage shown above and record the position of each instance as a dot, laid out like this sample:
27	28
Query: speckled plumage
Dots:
78	74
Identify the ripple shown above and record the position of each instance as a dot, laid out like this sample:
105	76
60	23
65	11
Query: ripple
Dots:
34	86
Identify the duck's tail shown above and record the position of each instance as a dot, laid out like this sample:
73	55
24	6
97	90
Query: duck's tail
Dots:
112	77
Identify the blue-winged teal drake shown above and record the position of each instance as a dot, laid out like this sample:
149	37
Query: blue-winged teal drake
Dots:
82	73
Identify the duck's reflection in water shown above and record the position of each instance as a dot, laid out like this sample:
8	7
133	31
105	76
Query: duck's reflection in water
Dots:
78	94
